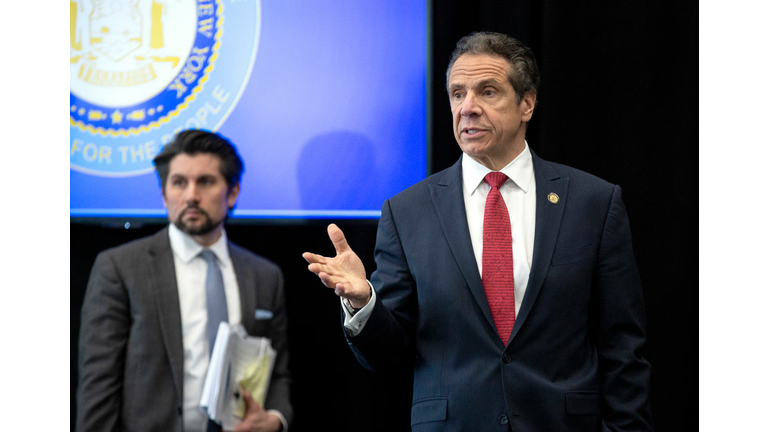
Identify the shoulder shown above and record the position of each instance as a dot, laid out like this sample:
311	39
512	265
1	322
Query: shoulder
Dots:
421	190
155	242
586	195
579	181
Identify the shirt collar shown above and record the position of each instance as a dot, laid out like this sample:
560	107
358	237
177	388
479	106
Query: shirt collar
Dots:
187	249
520	171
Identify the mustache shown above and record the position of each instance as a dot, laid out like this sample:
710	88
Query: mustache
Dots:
193	207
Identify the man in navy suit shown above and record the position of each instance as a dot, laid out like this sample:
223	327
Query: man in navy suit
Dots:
559	345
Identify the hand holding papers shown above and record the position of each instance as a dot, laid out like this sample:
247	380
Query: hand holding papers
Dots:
238	362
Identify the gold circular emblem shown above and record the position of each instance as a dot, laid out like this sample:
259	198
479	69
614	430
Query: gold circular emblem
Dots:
553	198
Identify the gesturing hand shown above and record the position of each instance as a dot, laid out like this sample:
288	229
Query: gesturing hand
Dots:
344	273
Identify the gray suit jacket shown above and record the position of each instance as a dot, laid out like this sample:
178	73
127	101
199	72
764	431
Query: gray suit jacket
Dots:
130	353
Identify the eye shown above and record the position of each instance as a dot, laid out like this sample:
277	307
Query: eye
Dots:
489	92
457	95
178	182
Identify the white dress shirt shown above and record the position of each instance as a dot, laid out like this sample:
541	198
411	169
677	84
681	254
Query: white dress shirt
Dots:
519	194
191	270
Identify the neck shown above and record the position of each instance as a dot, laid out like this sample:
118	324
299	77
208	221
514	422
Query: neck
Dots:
497	162
209	238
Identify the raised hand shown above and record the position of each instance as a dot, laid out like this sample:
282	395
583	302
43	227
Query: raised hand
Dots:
344	273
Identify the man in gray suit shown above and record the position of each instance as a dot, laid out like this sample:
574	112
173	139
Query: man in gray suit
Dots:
144	348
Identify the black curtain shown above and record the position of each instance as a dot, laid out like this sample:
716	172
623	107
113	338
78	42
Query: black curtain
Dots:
619	99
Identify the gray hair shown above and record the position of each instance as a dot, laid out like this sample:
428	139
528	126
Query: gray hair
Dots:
523	72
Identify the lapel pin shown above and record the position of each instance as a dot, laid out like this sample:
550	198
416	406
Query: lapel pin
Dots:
553	198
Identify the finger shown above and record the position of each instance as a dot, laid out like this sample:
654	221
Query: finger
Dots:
251	406
337	283
340	289
252	409
330	281
347	289
250	402
322	268
315	268
314	258
338	239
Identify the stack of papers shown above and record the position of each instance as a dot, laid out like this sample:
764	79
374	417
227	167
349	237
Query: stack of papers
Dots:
238	362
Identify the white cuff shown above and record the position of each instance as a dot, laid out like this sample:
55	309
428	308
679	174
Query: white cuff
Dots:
282	418
355	321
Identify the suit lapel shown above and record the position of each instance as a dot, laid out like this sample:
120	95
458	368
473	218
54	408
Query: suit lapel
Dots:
163	284
548	218
244	275
448	199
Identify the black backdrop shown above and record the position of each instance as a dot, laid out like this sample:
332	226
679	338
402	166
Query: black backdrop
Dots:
619	99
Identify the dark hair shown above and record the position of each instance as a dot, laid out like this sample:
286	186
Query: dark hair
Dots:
195	141
523	72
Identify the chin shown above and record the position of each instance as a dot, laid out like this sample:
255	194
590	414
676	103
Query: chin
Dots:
197	227
473	151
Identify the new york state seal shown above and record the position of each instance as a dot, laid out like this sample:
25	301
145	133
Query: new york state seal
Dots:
142	70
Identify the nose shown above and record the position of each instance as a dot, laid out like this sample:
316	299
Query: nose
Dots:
191	193
470	106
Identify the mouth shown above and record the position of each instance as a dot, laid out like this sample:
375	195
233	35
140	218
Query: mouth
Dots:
472	131
192	212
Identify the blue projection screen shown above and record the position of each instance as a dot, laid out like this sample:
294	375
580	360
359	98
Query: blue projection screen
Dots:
325	100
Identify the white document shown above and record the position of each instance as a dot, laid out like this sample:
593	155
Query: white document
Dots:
238	361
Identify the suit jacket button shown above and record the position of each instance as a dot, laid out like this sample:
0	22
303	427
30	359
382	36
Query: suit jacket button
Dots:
503	419
506	358
179	410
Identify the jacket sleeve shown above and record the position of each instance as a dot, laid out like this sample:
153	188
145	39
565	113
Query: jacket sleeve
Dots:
278	397
104	330
386	339
621	327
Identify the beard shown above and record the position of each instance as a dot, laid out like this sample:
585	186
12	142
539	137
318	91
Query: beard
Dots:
203	228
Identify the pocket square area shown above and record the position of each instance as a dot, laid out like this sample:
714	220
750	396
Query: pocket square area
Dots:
263	314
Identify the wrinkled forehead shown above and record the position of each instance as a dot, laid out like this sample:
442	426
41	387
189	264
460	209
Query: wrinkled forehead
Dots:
471	68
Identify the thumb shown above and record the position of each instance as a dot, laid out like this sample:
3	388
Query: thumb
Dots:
338	239
250	403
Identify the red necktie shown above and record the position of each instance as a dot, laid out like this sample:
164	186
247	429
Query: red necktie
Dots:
498	273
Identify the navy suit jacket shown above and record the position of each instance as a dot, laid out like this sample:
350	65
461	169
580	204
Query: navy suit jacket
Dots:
131	358
574	358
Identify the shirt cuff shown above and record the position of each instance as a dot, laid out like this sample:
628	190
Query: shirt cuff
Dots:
355	321
282	418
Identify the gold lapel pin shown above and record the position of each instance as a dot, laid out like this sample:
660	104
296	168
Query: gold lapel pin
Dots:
553	198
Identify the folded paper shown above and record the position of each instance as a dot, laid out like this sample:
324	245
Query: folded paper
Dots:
238	362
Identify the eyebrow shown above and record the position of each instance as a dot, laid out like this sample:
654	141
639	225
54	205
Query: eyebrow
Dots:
480	84
198	178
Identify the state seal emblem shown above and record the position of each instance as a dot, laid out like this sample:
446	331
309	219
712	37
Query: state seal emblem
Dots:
142	70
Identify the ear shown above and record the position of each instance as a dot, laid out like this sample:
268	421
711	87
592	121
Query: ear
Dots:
232	195
527	105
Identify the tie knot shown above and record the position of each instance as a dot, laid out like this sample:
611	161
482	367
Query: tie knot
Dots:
208	255
495	179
